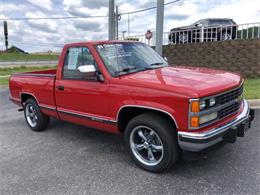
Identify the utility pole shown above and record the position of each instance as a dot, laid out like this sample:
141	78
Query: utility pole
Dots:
111	20
128	24
159	26
6	34
117	18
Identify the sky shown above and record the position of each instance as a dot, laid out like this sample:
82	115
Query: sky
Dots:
43	35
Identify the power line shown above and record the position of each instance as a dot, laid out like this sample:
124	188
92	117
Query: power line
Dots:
54	18
80	17
142	10
147	9
137	11
172	2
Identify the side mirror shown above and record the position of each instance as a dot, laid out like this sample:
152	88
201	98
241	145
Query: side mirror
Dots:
166	59
91	73
87	68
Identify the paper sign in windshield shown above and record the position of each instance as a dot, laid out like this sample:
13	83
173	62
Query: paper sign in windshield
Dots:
73	58
114	51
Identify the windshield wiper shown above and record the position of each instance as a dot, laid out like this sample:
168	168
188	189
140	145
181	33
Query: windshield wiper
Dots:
145	68
156	64
125	70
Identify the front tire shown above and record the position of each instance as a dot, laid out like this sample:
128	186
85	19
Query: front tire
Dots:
35	119
152	142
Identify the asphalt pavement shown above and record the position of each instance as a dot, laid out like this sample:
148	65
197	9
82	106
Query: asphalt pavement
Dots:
70	159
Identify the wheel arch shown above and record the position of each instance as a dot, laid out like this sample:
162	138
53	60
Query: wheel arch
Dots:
127	112
25	96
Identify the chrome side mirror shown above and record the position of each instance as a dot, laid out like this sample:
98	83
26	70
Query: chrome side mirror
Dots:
87	68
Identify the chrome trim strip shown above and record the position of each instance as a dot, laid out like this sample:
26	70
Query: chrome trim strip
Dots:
34	74
189	113
48	107
214	109
98	119
89	117
14	99
215	131
146	107
224	92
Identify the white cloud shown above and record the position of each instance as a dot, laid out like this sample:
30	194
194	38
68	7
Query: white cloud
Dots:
243	11
45	4
42	35
9	7
43	25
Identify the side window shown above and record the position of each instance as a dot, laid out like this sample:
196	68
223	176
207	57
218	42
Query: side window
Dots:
76	57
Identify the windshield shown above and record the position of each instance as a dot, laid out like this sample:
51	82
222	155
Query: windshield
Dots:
220	22
125	58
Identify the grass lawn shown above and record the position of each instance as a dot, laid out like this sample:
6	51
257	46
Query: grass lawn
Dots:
4	80
26	57
5	72
252	86
8	71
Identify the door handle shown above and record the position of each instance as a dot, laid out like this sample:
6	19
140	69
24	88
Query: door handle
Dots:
60	88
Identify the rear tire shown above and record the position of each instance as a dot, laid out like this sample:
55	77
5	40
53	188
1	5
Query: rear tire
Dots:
35	119
152	142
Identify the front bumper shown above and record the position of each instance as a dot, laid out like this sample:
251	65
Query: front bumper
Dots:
194	142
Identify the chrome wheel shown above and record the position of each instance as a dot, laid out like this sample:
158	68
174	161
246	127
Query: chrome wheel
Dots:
146	145
31	115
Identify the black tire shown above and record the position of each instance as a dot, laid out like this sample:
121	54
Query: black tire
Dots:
167	135
42	121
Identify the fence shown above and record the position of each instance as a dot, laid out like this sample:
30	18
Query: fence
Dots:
205	34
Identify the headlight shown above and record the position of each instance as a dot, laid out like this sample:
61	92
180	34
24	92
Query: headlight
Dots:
212	102
206	103
202	104
207	118
197	106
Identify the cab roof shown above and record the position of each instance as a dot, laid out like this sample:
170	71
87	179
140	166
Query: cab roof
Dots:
99	42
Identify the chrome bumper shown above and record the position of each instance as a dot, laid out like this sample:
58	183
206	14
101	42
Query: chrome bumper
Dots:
195	142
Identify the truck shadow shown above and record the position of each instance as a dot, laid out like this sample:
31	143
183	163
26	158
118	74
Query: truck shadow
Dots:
106	143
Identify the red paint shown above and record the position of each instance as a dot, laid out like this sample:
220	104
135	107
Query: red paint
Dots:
168	89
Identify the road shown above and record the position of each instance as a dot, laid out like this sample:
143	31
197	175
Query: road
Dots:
70	159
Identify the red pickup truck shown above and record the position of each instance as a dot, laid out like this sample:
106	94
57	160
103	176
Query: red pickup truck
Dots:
125	87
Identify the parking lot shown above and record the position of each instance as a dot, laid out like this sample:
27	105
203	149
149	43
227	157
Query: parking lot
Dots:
70	159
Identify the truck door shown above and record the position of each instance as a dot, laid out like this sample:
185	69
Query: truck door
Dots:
80	97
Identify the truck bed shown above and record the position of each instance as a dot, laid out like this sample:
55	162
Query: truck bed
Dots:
39	84
45	73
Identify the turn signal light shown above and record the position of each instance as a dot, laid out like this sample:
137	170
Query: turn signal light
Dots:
194	121
195	106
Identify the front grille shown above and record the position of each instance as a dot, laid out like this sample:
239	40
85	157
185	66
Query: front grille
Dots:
229	96
228	110
227	103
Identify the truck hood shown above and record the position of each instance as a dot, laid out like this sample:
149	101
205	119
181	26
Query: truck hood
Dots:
191	81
